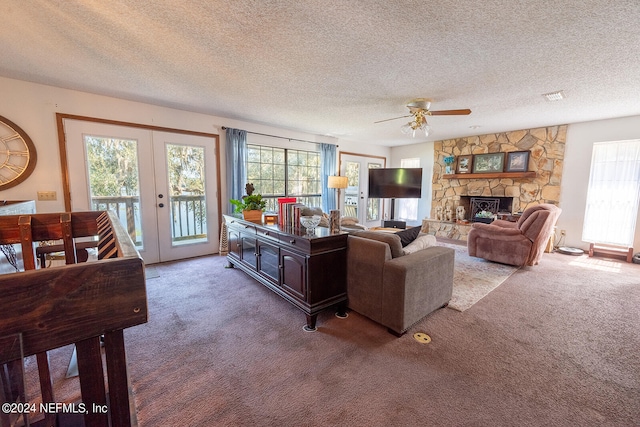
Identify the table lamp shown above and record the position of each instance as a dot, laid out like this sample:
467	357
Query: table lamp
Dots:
338	182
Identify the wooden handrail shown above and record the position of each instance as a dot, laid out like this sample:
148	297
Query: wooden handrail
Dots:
77	303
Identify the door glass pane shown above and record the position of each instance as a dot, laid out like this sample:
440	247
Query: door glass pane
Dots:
352	172
248	248
113	180
373	205
269	261
186	171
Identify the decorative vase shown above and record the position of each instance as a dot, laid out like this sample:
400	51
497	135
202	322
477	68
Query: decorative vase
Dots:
447	169
334	221
252	216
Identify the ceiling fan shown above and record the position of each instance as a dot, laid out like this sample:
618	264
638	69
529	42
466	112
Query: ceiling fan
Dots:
419	109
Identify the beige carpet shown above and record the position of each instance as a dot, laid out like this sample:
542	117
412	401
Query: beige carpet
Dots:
474	278
556	345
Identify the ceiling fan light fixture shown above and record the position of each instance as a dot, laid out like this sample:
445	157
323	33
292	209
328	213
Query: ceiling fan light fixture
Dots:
406	128
419	109
414	128
418	125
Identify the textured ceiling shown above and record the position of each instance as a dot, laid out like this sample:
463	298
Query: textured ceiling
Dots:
335	67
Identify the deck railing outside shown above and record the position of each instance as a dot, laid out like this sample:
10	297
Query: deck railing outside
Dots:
189	221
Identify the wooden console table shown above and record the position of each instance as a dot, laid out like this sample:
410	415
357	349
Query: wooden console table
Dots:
308	271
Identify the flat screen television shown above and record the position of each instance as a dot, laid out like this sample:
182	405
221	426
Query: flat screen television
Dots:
395	183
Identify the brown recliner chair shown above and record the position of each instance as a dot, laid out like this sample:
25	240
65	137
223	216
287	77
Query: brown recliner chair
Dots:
515	243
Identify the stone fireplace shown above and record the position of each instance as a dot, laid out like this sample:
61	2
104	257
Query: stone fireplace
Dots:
542	185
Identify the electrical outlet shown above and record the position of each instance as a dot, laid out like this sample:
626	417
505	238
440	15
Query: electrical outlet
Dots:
47	196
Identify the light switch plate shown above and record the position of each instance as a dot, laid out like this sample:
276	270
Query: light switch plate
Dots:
47	196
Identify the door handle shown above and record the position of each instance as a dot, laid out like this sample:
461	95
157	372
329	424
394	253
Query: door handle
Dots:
161	205
160	196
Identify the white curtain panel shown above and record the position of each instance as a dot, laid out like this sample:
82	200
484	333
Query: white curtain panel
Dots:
614	193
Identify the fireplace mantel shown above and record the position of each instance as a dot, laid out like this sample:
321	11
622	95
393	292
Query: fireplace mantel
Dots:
490	175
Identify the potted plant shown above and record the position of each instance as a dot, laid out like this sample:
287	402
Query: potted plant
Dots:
251	206
448	161
485	216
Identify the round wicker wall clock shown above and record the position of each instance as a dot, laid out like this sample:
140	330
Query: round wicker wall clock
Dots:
17	154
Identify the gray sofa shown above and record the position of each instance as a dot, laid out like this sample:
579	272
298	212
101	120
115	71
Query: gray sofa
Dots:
393	289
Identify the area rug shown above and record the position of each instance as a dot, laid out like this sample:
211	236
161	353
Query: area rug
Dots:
474	278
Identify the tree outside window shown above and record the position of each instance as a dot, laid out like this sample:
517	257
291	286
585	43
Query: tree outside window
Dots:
281	172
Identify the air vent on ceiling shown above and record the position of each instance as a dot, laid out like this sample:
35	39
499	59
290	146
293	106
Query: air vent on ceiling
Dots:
554	96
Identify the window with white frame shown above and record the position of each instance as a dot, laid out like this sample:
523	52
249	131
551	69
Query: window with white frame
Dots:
284	172
408	208
613	194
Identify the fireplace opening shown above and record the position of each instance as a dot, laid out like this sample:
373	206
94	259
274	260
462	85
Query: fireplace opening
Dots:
487	207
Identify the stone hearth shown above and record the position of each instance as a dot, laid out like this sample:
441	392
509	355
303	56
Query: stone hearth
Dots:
546	146
450	230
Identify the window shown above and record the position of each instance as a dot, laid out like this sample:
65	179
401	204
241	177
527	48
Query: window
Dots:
283	172
408	208
614	190
373	205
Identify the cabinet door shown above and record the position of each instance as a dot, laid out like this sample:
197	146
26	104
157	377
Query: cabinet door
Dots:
248	251
268	261
234	243
294	270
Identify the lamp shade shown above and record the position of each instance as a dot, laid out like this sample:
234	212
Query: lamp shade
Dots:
337	182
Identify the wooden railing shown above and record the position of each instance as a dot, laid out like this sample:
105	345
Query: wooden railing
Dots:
189	215
47	308
127	207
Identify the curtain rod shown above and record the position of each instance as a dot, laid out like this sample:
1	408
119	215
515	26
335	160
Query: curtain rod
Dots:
281	137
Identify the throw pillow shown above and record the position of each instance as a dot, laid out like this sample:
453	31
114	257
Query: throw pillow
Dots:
423	241
409	235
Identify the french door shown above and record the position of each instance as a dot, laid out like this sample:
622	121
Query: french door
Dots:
356	196
162	185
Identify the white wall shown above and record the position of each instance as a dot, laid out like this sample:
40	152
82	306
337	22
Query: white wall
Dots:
577	165
423	151
33	107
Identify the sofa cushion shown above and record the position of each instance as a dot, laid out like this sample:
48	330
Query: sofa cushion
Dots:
409	235
423	241
348	220
392	239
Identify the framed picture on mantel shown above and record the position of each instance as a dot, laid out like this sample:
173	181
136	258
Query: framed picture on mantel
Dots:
488	163
517	161
464	163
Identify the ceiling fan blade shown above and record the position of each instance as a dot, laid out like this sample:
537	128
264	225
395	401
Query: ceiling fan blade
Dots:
395	118
462	112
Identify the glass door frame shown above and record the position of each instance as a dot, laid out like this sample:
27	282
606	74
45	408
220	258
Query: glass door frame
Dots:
363	196
62	142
